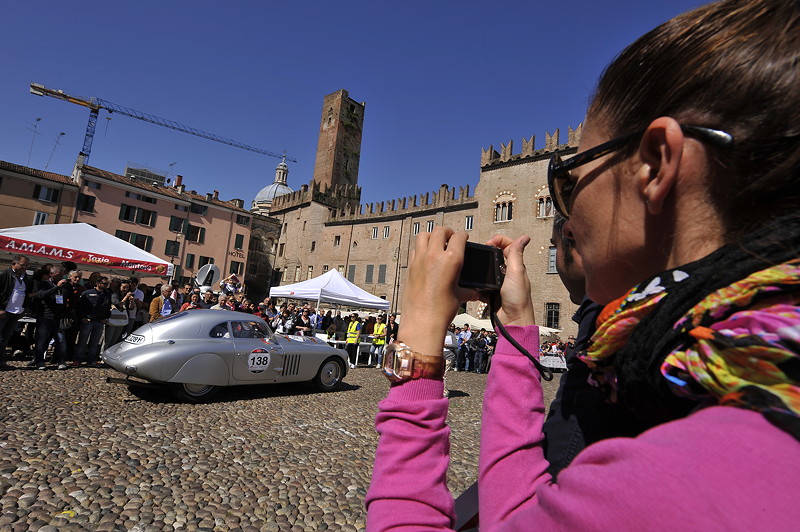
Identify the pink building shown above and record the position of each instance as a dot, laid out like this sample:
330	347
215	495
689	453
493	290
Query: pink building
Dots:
32	197
187	228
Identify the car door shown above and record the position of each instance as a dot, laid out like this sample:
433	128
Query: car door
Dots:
256	357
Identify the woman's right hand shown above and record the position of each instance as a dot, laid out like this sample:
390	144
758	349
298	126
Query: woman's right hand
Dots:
516	307
431	296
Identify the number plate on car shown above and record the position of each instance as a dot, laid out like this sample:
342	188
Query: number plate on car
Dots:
135	339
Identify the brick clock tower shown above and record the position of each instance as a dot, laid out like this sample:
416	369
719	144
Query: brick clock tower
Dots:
339	147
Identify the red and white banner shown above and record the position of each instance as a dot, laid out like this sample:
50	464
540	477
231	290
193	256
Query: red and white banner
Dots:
24	247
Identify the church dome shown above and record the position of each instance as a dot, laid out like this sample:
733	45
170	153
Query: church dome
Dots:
271	191
277	187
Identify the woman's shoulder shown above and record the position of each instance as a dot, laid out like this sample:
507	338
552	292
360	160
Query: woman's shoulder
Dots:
765	319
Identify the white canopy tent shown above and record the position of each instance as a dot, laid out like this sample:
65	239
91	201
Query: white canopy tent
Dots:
332	288
88	247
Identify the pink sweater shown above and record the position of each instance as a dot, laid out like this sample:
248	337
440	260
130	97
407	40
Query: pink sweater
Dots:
721	468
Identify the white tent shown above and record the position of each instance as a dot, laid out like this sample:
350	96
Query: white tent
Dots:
88	247
477	323
330	287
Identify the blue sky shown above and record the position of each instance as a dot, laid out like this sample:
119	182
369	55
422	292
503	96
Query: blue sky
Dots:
441	81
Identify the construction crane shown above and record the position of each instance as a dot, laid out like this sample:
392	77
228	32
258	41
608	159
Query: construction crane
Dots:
95	104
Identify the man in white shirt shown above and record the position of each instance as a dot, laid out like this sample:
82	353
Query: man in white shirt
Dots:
15	285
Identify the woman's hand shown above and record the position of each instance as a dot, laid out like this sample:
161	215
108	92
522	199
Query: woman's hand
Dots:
516	307
431	296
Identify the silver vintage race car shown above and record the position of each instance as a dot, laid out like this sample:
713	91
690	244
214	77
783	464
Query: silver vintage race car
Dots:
198	351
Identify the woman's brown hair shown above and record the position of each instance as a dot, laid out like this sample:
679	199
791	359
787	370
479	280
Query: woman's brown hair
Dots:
732	65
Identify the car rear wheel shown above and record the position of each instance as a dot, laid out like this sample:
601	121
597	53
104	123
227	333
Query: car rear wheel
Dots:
329	376
194	393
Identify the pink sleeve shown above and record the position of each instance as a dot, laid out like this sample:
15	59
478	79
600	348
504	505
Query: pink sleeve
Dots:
409	480
662	478
512	463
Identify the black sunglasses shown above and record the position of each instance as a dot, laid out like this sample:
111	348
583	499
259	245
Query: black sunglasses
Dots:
561	183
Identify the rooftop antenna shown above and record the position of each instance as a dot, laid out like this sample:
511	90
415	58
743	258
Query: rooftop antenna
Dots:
169	171
35	127
58	141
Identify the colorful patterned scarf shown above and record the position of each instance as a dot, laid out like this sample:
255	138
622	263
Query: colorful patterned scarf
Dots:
662	349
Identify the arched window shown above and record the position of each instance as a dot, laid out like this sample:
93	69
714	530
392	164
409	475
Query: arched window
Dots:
544	207
504	206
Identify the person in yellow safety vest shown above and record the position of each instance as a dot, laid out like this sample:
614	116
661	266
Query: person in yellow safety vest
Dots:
378	340
353	337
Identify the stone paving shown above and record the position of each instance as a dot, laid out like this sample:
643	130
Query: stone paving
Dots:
77	453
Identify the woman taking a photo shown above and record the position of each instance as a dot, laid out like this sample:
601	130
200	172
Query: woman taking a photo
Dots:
683	205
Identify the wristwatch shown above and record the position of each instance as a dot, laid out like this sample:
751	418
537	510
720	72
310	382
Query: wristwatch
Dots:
401	363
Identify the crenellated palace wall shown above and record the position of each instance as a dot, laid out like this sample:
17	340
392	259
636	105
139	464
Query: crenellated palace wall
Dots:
326	227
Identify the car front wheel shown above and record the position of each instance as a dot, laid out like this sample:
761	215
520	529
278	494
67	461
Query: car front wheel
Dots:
194	393
329	376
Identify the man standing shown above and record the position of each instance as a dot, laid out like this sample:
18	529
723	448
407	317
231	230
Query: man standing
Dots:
15	285
378	340
91	282
391	328
478	345
71	334
163	305
208	299
353	338
138	295
222	303
463	348
339	322
53	298
94	309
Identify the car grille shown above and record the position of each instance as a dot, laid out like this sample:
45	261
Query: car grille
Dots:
291	365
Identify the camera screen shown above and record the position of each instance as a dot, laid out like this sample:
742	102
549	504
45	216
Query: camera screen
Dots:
479	267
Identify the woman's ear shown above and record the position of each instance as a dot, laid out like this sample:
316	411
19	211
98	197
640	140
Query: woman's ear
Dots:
660	150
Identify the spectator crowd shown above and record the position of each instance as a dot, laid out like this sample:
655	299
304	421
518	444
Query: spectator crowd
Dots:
59	316
55	312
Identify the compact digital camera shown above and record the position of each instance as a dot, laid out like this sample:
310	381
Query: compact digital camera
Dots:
484	268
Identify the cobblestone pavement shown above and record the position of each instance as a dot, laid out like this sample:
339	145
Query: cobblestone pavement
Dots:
77	453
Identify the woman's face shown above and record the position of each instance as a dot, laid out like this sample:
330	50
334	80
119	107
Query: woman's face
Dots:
607	220
195	298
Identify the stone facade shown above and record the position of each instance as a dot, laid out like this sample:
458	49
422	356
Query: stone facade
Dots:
323	226
518	184
370	243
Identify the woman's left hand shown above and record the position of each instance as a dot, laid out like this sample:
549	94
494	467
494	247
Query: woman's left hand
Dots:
516	307
431	296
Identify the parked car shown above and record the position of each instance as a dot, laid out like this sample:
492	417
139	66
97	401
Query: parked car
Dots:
198	351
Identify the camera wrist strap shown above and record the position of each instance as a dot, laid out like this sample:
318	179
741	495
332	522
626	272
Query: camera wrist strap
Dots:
545	372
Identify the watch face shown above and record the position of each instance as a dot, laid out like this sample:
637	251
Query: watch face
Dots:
393	363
